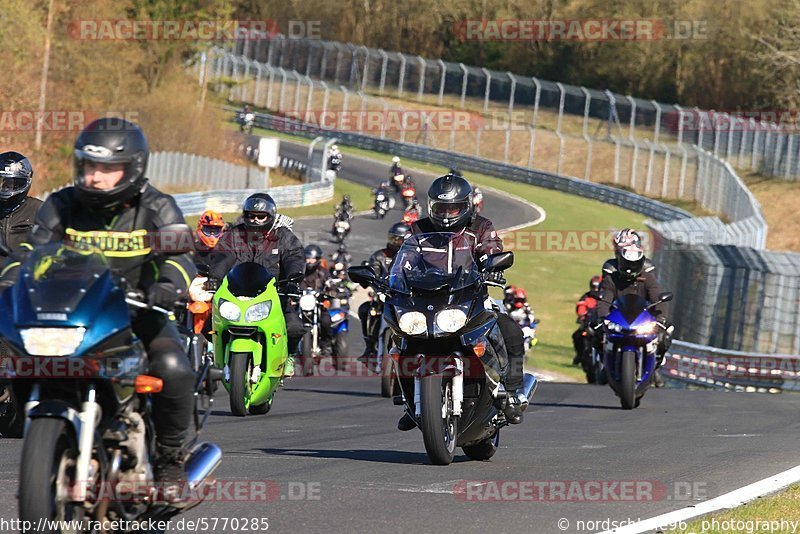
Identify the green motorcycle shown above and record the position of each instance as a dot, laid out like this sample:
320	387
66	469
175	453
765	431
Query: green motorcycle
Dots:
249	333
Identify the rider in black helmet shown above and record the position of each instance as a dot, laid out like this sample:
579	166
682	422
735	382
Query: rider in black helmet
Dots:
17	209
265	237
380	261
450	209
111	195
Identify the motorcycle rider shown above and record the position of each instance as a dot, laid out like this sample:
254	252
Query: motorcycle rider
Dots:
520	310
585	309
413	212
395	169
630	277
380	261
17	209
17	213
345	207
265	237
112	195
450	209
210	226
477	199
621	238
334	158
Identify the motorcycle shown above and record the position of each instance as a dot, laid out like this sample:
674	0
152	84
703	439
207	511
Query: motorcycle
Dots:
398	179
335	162
410	216
383	203
90	433
477	202
449	372
246	121
250	342
382	364
341	227
629	347
341	256
314	345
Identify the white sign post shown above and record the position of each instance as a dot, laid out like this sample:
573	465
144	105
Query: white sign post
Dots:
268	155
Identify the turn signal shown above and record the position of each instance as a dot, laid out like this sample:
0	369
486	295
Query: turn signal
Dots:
148	384
479	349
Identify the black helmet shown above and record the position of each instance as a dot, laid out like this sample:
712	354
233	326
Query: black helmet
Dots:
594	283
450	203
630	260
346	199
258	211
397	234
313	256
111	140
16	175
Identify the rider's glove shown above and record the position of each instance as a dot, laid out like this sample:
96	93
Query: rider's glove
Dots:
211	285
496	277
665	325
163	295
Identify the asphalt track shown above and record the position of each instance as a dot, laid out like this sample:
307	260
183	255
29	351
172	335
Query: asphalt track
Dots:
331	447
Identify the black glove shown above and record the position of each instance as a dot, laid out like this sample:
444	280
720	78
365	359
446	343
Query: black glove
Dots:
163	295
212	284
496	277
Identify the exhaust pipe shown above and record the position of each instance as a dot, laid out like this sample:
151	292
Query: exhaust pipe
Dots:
529	385
203	460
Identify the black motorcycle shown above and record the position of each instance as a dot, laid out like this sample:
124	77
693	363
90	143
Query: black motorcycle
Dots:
444	334
81	374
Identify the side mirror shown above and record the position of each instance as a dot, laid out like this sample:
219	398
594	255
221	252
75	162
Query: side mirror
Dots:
665	297
498	262
363	275
172	239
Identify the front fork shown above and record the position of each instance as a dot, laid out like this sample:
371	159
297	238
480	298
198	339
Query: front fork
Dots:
456	385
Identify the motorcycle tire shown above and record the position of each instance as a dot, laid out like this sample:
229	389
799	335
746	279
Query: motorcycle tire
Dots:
438	433
306	355
240	383
627	380
340	351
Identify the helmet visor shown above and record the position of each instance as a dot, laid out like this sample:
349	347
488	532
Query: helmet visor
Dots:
257	217
11	185
211	231
449	210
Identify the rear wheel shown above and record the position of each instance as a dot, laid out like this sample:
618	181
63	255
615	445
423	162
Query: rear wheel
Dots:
484	449
627	380
240	383
439	425
47	472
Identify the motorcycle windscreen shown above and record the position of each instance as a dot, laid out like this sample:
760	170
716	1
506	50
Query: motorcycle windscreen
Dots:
434	261
56	277
630	307
248	280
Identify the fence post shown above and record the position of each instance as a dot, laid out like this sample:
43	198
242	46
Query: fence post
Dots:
463	83
587	103
339	56
631	136
700	126
441	83
384	65
616	158
657	128
365	75
649	179
258	84
536	99
532	131
665	178
295	106
323	63
488	90
402	74
325	96
562	95
269	89
731	129
310	94
684	162
560	152
716	132
422	67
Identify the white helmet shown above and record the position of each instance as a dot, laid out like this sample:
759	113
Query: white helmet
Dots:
396	159
335	148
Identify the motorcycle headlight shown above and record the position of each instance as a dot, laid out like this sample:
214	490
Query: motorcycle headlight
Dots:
308	302
413	323
229	310
52	341
258	312
451	320
646	328
614	327
337	316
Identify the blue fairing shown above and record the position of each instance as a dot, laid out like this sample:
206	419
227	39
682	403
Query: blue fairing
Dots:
628	316
341	326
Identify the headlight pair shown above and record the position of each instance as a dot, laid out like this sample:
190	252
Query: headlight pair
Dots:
448	320
255	312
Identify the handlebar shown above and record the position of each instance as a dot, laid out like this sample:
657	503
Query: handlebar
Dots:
137	300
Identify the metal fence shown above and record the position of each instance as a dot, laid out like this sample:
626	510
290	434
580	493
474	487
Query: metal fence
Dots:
672	171
769	146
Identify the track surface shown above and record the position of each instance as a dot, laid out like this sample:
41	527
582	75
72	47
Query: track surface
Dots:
335	438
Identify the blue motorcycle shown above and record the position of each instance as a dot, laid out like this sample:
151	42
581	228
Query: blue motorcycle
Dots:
81	374
629	349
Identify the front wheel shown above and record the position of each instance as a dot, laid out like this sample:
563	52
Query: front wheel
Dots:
439	425
47	472
240	383
389	386
340	351
307	355
484	449
627	380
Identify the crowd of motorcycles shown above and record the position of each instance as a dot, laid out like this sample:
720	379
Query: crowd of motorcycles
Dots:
434	357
